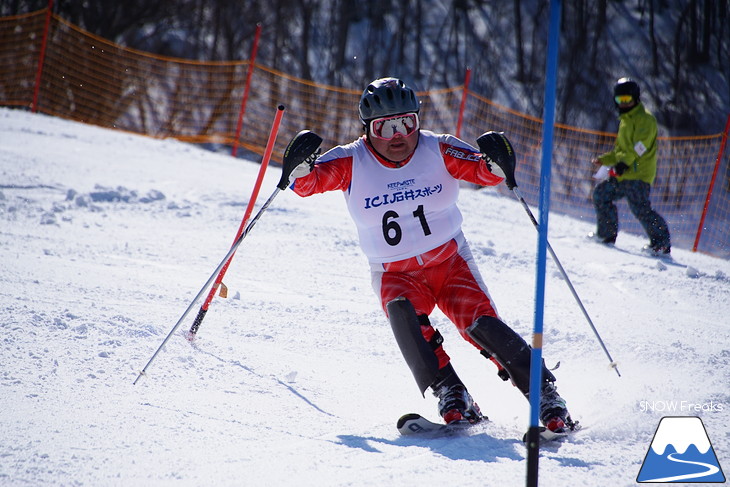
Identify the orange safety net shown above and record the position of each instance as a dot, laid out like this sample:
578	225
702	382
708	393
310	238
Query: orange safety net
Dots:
89	79
685	169
20	43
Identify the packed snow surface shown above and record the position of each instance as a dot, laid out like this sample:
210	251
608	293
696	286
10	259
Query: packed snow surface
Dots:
295	378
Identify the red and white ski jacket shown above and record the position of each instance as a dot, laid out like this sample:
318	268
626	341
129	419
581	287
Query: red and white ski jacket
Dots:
400	212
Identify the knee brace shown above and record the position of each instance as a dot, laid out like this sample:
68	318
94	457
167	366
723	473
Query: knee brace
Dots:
419	353
508	348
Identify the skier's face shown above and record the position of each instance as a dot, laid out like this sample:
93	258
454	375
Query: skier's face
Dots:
397	149
394	137
624	103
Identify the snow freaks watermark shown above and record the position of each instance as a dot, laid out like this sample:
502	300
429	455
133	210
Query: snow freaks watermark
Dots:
681	407
680	452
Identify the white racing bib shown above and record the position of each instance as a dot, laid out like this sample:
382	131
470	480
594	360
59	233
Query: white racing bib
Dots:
403	212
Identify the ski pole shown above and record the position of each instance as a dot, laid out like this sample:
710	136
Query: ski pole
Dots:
252	200
302	148
613	364
498	150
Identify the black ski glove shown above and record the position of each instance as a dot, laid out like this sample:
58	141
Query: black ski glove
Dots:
299	155
306	166
620	168
497	149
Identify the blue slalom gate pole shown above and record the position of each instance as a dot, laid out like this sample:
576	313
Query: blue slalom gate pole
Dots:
533	434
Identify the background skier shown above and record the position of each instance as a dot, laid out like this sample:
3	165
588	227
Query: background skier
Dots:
633	163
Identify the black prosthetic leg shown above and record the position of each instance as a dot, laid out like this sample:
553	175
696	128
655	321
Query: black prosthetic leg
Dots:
455	402
509	349
419	353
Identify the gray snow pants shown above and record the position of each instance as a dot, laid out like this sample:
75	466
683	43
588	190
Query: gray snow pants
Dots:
637	196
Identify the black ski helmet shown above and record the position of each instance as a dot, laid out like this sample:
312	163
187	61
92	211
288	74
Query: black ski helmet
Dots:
627	86
387	96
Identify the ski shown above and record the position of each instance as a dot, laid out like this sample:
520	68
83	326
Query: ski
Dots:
547	435
658	258
643	252
414	424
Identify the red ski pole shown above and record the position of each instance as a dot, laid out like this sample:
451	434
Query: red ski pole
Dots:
219	280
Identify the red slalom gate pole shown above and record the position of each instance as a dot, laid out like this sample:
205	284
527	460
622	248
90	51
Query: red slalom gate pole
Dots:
254	194
247	87
712	184
41	57
463	102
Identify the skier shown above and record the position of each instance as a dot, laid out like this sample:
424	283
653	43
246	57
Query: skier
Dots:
633	165
401	185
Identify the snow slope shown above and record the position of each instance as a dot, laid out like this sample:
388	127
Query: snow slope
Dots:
295	379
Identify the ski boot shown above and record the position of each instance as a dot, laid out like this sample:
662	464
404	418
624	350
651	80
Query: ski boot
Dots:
657	250
607	241
553	411
456	404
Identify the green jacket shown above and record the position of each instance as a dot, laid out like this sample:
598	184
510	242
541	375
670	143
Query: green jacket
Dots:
635	145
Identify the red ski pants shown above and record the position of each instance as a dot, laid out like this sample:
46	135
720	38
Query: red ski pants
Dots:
446	277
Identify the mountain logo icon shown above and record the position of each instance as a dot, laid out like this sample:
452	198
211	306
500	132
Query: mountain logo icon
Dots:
680	452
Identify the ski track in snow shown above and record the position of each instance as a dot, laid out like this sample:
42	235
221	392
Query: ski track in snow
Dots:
295	379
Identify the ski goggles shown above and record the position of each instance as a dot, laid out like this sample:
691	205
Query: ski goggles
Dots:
623	99
385	128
